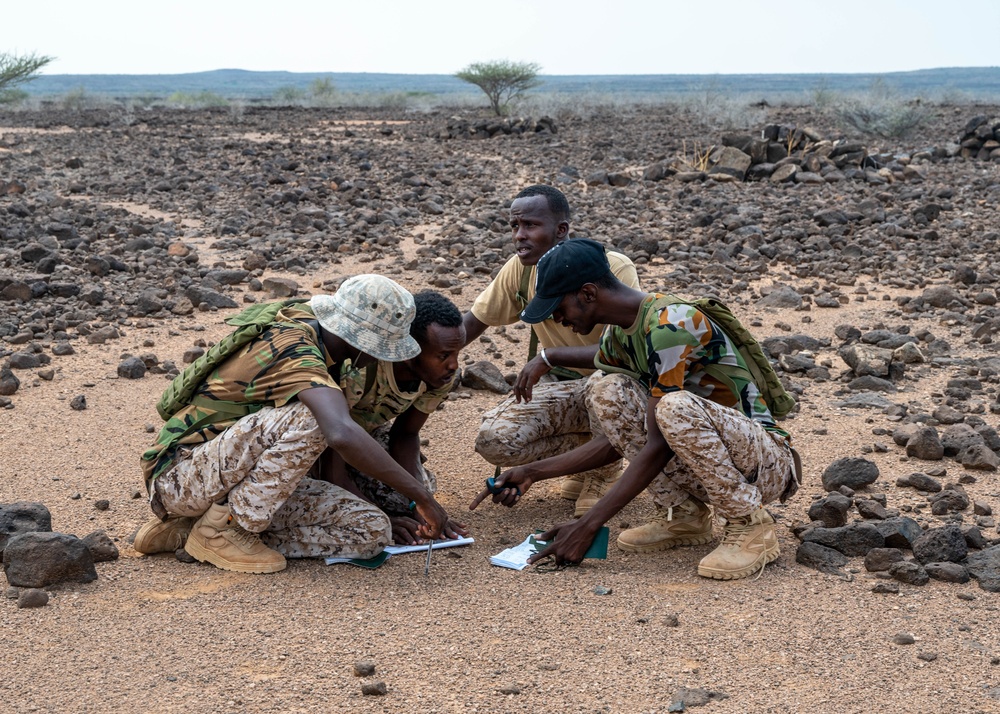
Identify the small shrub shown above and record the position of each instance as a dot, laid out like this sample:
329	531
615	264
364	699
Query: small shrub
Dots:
881	112
289	95
13	97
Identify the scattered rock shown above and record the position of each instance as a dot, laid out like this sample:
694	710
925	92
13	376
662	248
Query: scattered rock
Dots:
373	689
35	560
101	547
485	375
364	668
820	557
22	517
853	472
32	597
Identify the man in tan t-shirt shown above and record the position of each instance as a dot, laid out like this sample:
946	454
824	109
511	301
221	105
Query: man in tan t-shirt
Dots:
545	414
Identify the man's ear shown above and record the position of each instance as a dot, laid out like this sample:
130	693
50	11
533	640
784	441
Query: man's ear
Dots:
562	230
589	293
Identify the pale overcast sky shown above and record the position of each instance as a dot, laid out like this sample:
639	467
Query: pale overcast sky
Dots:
564	37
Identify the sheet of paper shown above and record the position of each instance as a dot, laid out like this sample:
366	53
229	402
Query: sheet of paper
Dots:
516	557
445	543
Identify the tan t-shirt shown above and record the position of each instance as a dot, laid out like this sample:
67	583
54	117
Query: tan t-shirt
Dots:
498	303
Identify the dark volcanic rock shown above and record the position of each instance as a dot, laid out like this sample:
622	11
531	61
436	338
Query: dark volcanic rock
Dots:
853	472
940	545
485	375
947	572
132	368
22	517
9	382
821	558
32	597
851	540
984	566
831	510
899	532
909	572
921	482
881	559
101	547
35	560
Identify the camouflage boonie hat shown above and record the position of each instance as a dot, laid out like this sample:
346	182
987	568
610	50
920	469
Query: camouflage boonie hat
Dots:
371	313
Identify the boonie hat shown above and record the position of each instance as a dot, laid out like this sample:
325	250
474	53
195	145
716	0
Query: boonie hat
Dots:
371	313
564	269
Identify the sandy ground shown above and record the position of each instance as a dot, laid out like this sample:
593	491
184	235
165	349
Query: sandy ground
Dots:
156	635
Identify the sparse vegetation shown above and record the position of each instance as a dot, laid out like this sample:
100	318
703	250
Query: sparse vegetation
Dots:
697	159
716	109
881	112
16	70
501	80
200	100
289	95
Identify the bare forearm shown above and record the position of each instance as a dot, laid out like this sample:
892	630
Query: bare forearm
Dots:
595	453
473	327
581	357
405	451
648	463
362	452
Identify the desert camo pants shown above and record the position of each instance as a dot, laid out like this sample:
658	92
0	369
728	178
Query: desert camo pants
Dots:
553	422
260	464
721	457
387	499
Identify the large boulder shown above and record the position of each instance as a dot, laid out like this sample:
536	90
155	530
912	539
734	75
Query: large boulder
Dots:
36	560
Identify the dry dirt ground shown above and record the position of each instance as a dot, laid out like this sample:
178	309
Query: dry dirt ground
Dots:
156	635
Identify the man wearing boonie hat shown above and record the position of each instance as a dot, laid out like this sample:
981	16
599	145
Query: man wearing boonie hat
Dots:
696	441
245	479
545	413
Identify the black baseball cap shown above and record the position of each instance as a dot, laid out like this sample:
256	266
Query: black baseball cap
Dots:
564	269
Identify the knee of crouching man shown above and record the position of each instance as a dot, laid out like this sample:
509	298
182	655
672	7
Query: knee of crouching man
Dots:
676	411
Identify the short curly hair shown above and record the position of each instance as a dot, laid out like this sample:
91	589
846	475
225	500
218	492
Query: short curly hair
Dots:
553	196
432	308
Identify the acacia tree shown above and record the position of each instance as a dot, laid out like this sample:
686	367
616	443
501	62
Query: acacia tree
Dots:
18	69
501	80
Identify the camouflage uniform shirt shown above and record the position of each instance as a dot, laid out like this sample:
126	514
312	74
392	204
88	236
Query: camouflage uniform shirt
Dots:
269	371
386	399
667	350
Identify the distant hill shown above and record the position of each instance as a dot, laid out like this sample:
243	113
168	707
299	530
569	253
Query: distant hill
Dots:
976	82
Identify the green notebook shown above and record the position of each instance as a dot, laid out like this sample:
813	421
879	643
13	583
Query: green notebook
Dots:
370	563
598	548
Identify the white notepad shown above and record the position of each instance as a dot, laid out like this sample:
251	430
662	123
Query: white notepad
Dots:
446	543
516	557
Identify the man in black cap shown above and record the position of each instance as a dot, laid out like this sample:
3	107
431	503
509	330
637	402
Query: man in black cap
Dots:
696	441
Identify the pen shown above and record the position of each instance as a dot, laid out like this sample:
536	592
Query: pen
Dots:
427	564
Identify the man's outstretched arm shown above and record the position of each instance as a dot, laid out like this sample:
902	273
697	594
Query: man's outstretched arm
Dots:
570	541
357	448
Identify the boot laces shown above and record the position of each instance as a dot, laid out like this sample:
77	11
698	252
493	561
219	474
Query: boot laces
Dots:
736	531
242	535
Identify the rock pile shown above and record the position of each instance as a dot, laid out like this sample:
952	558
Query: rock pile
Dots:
462	128
790	154
980	139
36	557
883	535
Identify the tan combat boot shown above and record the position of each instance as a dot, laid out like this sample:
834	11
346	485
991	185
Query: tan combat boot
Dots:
596	483
571	486
690	523
218	539
158	536
748	545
